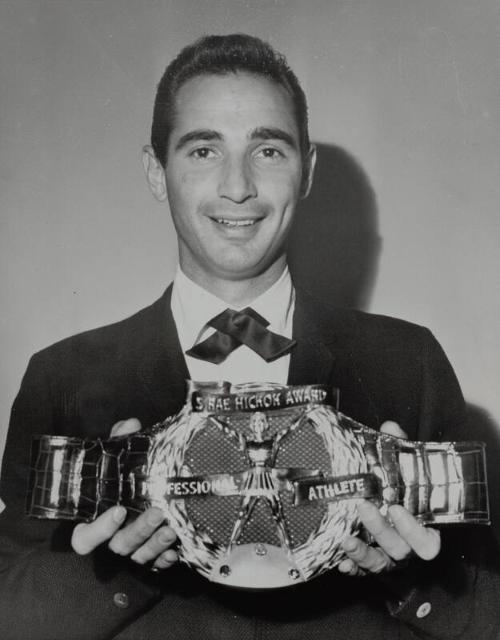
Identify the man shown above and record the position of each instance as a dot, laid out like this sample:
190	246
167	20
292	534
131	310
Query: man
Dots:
230	153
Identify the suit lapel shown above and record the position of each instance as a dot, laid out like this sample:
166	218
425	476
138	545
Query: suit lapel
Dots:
311	361
163	371
327	353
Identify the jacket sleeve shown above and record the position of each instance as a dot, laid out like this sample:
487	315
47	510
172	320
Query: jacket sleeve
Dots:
46	589
455	595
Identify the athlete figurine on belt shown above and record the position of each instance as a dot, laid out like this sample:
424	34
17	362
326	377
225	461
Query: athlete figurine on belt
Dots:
260	480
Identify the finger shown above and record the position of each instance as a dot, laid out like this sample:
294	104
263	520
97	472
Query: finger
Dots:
372	559
388	538
392	428
127	540
348	567
166	559
86	537
425	542
125	427
159	542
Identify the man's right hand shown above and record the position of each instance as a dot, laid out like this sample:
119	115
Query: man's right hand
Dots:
146	539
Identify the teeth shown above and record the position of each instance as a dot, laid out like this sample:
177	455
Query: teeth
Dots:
236	223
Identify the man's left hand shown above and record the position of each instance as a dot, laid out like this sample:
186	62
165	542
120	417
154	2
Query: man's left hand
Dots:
398	536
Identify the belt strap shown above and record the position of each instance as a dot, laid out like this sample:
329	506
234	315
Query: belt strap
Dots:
77	479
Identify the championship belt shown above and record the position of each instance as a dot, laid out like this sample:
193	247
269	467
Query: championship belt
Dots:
259	482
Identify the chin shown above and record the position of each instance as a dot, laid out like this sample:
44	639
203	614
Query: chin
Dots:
240	269
240	272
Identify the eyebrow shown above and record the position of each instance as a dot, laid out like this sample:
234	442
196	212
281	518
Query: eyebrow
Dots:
260	133
197	134
273	133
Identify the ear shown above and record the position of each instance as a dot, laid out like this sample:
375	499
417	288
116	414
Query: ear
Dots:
308	171
155	174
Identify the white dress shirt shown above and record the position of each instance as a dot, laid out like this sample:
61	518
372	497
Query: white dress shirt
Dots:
192	307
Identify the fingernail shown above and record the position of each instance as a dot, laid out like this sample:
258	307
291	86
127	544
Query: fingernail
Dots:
171	555
396	512
119	514
350	544
155	518
346	566
136	557
166	537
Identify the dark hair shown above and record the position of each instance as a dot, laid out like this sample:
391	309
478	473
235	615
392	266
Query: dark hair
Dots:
221	55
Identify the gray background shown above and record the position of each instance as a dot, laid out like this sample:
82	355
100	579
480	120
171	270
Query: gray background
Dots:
404	101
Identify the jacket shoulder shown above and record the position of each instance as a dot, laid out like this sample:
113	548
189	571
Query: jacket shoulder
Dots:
117	341
366	329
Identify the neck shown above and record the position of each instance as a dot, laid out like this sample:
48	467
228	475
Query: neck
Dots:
237	293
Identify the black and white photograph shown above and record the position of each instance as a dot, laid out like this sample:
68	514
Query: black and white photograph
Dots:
250	291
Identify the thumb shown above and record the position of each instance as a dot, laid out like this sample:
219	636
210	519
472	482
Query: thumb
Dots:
125	427
392	428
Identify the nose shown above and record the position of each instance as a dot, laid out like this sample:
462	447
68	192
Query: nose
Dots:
237	181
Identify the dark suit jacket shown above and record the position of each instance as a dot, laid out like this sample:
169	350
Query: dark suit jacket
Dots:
385	369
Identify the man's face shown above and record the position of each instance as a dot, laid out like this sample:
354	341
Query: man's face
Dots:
233	175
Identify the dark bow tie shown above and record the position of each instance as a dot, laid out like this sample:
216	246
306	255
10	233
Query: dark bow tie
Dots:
234	328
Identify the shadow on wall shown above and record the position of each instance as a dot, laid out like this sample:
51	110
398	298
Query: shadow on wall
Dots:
334	244
334	249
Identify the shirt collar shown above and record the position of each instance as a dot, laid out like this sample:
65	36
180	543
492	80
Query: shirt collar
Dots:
193	306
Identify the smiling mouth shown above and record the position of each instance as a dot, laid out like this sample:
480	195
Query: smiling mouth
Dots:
236	223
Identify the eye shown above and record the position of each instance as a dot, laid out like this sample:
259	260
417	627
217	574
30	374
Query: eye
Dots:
202	153
270	153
